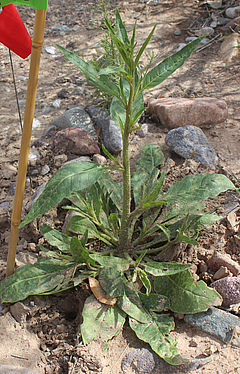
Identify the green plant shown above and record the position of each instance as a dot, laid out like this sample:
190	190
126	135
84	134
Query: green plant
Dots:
135	219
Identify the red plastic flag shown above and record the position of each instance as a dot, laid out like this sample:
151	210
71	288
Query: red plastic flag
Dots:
13	33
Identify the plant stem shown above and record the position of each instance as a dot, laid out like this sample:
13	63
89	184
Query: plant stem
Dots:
124	228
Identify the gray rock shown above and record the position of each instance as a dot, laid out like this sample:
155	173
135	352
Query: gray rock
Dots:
46	110
191	143
111	133
57	103
63	28
45	170
63	94
216	322
232	12
215	4
51	50
145	361
75	117
177	32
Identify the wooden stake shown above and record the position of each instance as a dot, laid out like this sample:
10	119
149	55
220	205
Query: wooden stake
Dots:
38	37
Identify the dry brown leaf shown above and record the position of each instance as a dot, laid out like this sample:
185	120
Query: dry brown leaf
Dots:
99	293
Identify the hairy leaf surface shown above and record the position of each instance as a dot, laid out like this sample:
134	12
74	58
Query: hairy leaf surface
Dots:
47	275
100	321
184	295
153	332
163	70
70	178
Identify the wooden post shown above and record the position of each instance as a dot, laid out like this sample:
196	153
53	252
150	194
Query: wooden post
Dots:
37	42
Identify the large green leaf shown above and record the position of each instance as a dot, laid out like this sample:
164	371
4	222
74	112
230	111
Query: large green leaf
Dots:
119	264
154	302
154	333
56	238
114	189
184	295
102	81
100	321
161	269
198	187
70	178
47	275
131	304
146	169
111	281
163	70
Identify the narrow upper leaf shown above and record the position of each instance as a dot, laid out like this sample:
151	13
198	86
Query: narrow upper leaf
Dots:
163	70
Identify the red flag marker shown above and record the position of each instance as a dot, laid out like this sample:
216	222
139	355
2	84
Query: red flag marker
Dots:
13	33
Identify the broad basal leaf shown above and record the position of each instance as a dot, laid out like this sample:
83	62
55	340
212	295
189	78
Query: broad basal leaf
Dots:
161	269
111	281
131	304
198	187
47	275
163	70
56	238
154	302
70	178
100	321
154	333
184	295
117	263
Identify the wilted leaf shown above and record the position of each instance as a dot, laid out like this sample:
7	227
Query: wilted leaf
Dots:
100	321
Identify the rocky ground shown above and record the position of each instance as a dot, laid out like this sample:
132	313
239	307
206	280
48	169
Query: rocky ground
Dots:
42	333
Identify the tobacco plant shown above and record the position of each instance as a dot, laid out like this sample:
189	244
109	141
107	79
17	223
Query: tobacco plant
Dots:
134	220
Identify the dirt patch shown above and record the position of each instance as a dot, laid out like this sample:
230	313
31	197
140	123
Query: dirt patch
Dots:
51	324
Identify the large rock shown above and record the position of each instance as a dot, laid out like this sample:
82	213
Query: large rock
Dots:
191	143
179	112
75	117
216	322
76	141
111	133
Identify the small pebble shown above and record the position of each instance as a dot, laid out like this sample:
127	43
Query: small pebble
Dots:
99	159
63	94
57	103
229	289
46	110
45	170
177	32
179	47
34	172
142	132
221	259
60	159
135	138
232	12
50	50
221	273
203	268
